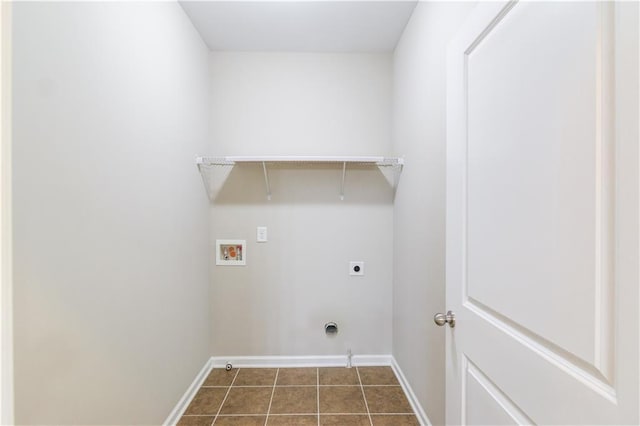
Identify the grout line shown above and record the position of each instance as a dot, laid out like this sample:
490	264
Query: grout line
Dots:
382	386
198	415
305	386
298	414
225	397
395	414
366	404
271	400
240	415
318	392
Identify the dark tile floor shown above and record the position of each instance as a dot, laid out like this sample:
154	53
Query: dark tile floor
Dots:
328	396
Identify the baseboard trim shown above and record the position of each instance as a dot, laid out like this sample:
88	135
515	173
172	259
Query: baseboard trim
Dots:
300	361
413	400
184	402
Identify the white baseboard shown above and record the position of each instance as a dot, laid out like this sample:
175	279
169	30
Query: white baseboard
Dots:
184	402
413	400
300	361
296	361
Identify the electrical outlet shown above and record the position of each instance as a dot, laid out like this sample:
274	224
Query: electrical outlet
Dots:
356	268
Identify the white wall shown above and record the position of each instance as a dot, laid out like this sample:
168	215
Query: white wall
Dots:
419	108
111	223
302	104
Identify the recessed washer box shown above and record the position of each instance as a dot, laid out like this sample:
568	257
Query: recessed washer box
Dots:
231	252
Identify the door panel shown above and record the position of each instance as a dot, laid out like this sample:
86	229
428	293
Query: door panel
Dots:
531	154
533	216
485	404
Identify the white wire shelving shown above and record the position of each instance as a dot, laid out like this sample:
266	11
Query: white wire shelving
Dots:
392	164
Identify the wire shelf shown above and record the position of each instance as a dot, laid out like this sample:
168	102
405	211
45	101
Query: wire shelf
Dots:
394	163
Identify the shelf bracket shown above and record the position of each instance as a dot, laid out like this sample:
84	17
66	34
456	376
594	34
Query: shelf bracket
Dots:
344	174
266	180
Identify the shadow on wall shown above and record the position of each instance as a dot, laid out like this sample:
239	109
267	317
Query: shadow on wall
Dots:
309	184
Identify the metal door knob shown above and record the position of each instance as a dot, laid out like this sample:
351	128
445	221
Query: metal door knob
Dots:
442	319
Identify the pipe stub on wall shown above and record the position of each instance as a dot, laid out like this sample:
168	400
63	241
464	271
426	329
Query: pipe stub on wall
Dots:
331	328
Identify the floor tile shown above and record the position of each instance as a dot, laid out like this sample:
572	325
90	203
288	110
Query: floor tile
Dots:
297	376
387	399
394	420
341	399
347	420
292	420
196	421
294	400
207	401
256	377
240	421
247	401
377	376
338	376
220	377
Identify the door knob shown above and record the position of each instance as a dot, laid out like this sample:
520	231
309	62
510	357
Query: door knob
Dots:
442	319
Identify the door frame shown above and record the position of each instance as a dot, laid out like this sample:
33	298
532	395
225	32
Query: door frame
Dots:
6	240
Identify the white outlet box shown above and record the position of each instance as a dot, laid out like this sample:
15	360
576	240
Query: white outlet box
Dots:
356	268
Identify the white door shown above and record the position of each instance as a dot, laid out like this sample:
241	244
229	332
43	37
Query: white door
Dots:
542	215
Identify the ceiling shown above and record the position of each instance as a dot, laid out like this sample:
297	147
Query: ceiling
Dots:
301	26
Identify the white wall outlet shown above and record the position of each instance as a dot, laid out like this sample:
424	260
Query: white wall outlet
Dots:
356	268
261	234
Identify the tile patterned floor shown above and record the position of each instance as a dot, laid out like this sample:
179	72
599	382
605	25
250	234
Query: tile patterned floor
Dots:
327	396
